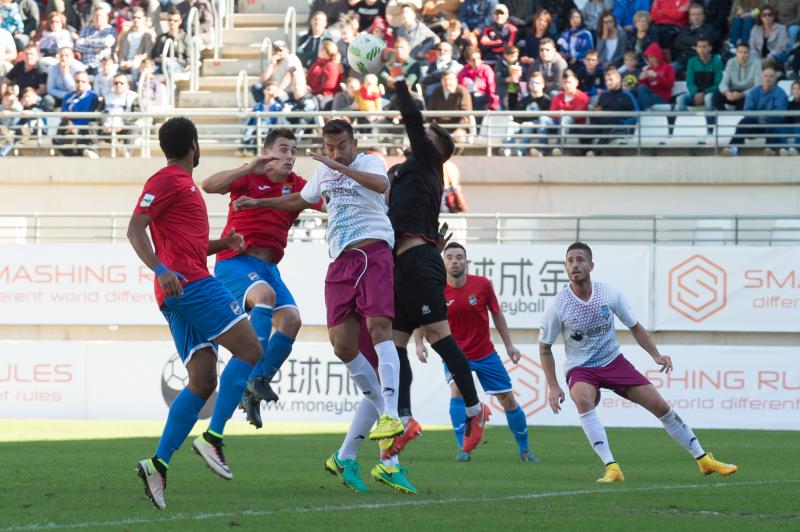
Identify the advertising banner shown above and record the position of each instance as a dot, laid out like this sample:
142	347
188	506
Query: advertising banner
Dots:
712	386
741	288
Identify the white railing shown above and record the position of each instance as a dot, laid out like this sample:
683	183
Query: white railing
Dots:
168	70
195	48
230	8
243	90
290	23
218	7
265	54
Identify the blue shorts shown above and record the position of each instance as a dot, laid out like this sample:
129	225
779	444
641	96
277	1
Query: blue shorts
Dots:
491	373
204	311
242	272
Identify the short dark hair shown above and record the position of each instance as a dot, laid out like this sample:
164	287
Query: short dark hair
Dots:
278	133
456	245
336	126
177	136
444	141
743	44
582	246
702	39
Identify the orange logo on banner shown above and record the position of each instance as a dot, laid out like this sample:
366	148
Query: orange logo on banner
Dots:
697	288
529	386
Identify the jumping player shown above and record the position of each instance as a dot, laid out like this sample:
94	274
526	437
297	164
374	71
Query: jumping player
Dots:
470	299
583	313
252	274
201	313
358	282
419	275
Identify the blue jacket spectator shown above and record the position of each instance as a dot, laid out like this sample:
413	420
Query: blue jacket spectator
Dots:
476	14
765	97
624	10
576	40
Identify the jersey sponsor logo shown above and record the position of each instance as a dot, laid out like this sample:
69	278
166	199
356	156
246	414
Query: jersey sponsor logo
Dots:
473	300
263	187
236	308
425	309
147	200
604	311
253	276
286	190
450	302
577	336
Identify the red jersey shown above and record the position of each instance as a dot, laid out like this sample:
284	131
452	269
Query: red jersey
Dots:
178	223
468	314
263	228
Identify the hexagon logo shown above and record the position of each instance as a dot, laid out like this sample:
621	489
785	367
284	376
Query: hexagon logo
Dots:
529	386
698	288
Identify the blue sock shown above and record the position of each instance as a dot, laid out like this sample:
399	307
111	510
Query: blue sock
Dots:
180	420
276	353
458	416
261	320
232	383
519	427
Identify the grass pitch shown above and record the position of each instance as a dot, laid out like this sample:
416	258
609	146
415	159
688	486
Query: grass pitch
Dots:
280	484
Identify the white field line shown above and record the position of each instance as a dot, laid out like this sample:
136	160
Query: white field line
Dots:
414	503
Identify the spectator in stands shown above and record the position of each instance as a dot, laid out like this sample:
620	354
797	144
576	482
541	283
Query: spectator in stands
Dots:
794	106
120	101
284	67
82	100
788	12
630	71
717	12
104	80
612	41
55	35
741	20
180	44
478	78
152	93
30	13
669	16
326	74
267	109
614	99
309	43
30	72
8	52
560	10
508	78
571	98
368	99
418	35
765	97
96	40
593	12
450	96
135	44
403	65
444	63
11	21
644	35
703	76
576	40
476	15
79	13
332	9
591	76
205	16
455	37
529	41
551	65
345	99
367	11
535	100
348	32
9	124
684	45
741	74
769	39
624	11
61	77
656	79
497	35
380	28
453	199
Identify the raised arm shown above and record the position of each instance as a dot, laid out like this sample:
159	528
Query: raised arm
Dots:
289	202
421	146
375	182
556	395
220	182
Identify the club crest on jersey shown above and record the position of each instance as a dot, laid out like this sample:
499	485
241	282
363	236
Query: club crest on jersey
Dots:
147	200
286	190
253	276
236	308
473	300
605	312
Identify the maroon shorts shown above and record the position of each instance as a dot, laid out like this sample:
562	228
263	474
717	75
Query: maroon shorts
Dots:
360	281
617	376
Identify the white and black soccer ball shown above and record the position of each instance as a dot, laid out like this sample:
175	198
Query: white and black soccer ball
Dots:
365	53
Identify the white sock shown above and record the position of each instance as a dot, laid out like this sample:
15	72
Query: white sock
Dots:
363	419
389	370
405	420
363	375
681	433
596	434
391	461
474	410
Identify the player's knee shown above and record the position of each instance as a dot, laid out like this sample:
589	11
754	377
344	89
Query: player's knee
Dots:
203	386
261	294
507	401
380	329
250	351
290	324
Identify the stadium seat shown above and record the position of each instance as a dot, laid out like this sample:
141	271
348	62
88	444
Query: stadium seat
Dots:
495	129
13	229
654	130
785	232
679	88
713	232
689	129
786	85
726	127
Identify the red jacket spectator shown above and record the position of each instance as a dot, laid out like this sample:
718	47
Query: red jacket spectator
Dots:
479	80
325	75
664	79
672	12
579	102
494	38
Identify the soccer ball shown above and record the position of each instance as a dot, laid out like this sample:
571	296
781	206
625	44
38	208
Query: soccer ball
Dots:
365	53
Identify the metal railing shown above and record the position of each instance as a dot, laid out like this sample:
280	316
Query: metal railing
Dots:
242	90
265	54
195	48
218	8
494	133
290	23
518	229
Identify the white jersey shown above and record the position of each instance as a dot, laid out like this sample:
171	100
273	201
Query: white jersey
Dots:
354	211
586	326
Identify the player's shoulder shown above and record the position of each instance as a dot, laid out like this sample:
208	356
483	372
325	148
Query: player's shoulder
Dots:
479	280
296	181
607	290
166	176
368	160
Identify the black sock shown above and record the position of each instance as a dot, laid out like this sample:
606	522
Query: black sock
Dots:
404	393
458	365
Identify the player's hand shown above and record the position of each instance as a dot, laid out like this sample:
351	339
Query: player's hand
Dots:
665	362
514	354
556	398
422	352
443	238
258	164
170	283
234	240
244	202
324	159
